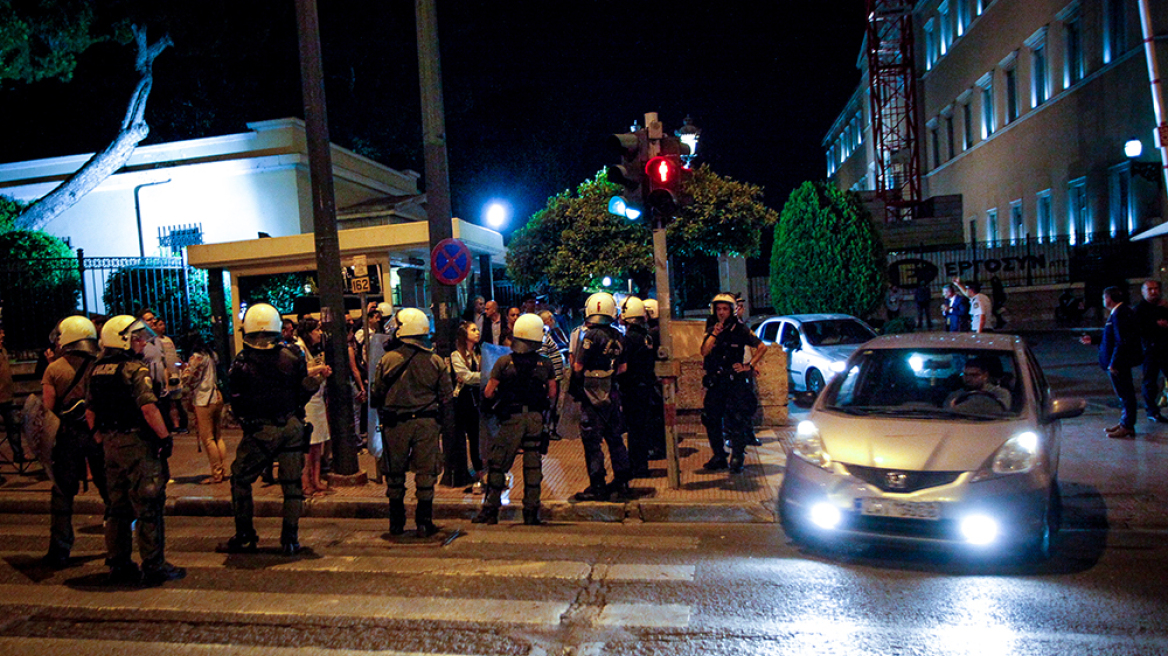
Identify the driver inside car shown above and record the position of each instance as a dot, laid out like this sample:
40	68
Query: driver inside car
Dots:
979	395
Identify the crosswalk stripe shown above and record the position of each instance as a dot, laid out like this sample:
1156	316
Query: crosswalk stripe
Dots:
657	616
41	646
463	567
301	605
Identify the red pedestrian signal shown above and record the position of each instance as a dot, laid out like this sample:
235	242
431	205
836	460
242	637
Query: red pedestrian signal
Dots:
664	174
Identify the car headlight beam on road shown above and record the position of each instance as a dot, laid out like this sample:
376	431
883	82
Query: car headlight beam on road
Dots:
1019	455
808	445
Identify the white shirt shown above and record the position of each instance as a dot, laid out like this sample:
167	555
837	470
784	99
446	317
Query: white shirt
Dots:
980	305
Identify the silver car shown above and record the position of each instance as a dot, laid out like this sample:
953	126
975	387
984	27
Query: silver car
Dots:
947	440
817	345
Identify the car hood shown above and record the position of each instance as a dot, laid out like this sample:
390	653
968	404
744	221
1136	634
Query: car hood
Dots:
913	444
836	353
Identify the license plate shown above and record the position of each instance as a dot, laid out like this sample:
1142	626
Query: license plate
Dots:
901	509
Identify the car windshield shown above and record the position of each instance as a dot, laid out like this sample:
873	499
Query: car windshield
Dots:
934	383
834	332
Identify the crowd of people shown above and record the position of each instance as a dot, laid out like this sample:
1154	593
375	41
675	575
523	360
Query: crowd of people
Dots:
964	306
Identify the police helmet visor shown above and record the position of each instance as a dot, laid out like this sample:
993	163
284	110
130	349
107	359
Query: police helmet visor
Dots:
525	345
139	330
262	340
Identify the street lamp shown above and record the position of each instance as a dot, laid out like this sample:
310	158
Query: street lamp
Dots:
1150	171
496	215
689	134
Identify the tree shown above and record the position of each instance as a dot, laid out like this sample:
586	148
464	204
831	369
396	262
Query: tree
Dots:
827	255
10	208
102	165
41	40
574	241
39	284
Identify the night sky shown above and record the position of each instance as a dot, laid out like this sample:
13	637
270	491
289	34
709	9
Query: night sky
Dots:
531	88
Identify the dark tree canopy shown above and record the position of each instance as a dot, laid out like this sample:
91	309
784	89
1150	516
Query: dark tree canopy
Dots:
827	255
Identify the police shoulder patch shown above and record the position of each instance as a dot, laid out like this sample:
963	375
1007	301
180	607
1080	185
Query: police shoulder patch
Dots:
107	369
587	343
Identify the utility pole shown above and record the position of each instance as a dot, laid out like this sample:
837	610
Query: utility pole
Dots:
346	470
443	298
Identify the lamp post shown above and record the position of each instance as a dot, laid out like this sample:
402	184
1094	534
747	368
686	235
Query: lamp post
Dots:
689	135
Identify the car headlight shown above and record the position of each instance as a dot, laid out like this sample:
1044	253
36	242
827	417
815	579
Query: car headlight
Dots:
809	446
838	366
1019	455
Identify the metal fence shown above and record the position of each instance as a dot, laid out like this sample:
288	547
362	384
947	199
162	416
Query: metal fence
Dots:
37	293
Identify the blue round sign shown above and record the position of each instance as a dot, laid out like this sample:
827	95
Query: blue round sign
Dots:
450	261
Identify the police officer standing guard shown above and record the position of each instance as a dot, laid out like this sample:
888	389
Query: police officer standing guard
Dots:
269	385
415	398
730	401
598	359
521	388
638	387
123	410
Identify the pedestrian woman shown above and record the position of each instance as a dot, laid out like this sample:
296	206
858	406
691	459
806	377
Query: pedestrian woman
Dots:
310	339
200	388
512	315
467	373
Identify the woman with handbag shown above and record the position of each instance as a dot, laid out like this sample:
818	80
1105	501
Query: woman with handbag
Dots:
200	388
466	363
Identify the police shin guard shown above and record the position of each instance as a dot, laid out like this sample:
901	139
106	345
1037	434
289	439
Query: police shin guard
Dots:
531	516
425	519
397	516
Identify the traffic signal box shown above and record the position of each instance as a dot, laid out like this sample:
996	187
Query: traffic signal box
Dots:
650	171
633	150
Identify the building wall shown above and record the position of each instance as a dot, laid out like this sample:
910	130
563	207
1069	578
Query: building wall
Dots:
235	186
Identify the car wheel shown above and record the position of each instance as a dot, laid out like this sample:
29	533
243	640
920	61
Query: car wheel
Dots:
814	381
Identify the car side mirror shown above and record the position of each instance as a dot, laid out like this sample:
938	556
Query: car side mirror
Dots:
804	399
1065	408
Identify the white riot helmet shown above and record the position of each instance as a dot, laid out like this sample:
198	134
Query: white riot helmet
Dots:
600	308
78	335
651	308
386	309
119	331
262	326
723	298
633	310
412	324
527	334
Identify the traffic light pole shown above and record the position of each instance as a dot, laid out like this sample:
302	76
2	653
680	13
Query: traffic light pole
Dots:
668	368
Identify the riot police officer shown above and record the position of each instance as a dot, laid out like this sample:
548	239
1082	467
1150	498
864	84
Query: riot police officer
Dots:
65	385
638	386
413	391
268	388
599	358
123	410
522	386
730	401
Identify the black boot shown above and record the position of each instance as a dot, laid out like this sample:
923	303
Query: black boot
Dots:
531	516
240	543
487	515
424	517
397	516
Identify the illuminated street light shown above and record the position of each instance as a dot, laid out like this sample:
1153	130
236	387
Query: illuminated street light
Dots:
689	135
607	282
496	215
1133	148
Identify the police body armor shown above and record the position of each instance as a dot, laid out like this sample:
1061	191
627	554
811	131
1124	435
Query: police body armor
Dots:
269	385
641	356
601	349
112	394
520	387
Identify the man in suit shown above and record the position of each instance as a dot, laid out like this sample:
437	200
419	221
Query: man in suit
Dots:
1119	351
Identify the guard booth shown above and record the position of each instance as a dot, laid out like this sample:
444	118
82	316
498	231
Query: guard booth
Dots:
399	251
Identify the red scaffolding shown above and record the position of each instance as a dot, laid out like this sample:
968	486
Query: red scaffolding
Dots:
891	78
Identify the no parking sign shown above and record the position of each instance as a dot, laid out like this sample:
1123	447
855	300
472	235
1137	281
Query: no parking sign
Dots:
450	261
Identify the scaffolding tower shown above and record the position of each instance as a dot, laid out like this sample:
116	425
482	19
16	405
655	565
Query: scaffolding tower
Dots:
892	82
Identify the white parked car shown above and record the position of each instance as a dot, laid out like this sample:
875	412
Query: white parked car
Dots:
817	345
931	439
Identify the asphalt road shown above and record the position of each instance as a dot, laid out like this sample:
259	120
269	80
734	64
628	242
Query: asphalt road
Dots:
581	589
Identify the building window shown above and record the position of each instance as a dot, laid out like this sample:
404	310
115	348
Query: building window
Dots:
935	139
1123	220
992	225
930	44
987	109
1114	30
1041	89
949	136
946	30
1017	222
1042	214
967	128
1079	219
962	15
1011	95
1074	43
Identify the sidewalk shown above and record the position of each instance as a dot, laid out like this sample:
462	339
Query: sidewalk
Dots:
703	497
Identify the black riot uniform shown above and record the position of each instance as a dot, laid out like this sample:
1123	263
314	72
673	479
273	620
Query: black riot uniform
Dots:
600	353
519	402
730	400
412	389
639	397
268	390
136	469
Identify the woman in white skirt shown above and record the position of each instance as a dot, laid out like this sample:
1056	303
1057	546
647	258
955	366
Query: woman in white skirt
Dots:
310	339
